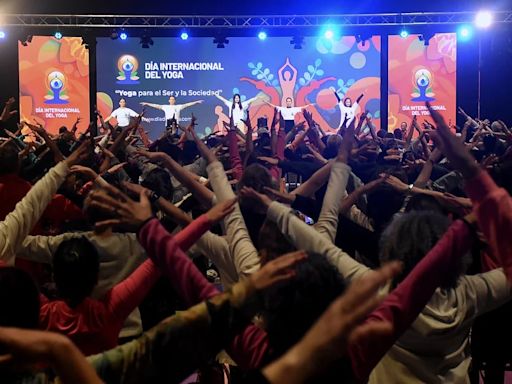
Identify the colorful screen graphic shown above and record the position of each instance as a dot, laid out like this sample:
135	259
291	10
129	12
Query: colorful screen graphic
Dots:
54	82
420	73
196	69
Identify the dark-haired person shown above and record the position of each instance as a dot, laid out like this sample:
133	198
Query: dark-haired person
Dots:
123	115
174	348
288	112
172	110
20	221
94	324
348	109
237	108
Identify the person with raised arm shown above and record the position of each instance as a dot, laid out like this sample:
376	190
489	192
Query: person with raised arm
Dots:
19	223
237	108
347	108
172	110
123	115
288	112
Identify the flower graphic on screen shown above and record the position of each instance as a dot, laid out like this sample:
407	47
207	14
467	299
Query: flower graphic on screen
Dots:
127	66
422	81
56	82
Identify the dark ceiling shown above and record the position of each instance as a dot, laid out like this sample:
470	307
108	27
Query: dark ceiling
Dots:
240	7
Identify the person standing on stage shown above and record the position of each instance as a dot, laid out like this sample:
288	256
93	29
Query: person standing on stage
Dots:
122	115
172	110
237	109
347	109
289	113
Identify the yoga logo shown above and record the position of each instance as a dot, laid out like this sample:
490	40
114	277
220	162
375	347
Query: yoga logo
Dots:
56	83
127	66
422	90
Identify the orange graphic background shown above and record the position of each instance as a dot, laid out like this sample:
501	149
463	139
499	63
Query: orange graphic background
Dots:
44	55
406	55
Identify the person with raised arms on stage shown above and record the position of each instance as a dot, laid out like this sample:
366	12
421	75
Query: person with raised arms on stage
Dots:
172	110
122	115
289	113
237	108
347	109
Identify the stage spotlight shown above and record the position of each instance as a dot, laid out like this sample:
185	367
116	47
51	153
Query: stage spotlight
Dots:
262	35
146	41
297	42
221	41
404	33
184	35
464	33
2	34
114	35
329	34
484	19
58	35
123	36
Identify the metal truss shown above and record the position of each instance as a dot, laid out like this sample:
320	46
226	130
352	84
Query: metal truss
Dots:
244	22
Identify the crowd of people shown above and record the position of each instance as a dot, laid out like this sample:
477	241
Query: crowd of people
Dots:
279	255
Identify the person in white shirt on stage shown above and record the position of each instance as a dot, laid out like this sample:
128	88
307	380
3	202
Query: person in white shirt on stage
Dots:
347	109
237	109
172	110
289	113
122	115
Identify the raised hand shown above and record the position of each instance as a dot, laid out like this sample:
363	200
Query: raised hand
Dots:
247	121
80	154
372	185
308	116
116	168
452	147
221	210
261	198
283	197
277	270
347	143
151	156
394	182
84	171
36	128
127	212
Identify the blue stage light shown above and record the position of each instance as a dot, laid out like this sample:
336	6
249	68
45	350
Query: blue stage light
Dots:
2	35
329	34
404	33
123	36
484	19
262	35
184	35
464	33
58	35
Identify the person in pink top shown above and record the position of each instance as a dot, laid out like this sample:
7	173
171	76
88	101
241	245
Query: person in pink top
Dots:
94	325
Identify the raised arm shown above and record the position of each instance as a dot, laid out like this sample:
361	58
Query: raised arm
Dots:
305	237
336	94
57	154
245	256
7	112
18	224
405	302
192	103
224	100
328	220
151	105
185	177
